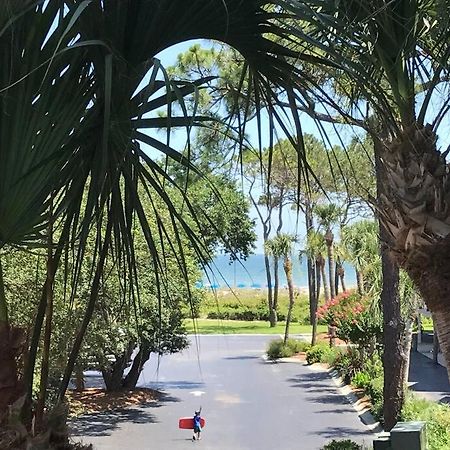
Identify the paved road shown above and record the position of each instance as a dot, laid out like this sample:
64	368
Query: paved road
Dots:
428	379
249	404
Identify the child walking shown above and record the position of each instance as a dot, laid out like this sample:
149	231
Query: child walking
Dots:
197	425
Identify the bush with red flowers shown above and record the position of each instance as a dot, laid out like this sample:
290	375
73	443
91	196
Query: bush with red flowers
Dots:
354	318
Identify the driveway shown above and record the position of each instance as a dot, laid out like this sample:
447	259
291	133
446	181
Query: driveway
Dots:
248	403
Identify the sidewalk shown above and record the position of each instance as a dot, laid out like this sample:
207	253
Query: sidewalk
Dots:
428	379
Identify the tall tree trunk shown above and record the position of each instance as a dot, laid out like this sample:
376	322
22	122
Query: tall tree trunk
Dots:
276	286
336	278
329	238
393	326
341	275
316	304
30	360
95	288
359	282
393	355
309	222
326	290
113	373
272	311
288	272
47	332
79	378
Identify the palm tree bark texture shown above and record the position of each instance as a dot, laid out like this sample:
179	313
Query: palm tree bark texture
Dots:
416	212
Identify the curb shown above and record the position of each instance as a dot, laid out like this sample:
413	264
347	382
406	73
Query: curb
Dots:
363	412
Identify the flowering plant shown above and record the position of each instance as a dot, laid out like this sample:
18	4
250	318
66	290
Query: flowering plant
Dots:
353	317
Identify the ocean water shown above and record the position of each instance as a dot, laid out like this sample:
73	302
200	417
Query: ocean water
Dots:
252	273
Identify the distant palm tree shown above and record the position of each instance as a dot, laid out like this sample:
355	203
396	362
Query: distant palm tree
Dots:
359	242
328	215
314	249
281	247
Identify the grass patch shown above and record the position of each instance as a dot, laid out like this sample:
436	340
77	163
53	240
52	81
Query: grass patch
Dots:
212	326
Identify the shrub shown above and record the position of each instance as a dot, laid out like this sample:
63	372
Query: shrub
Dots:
436	416
317	353
278	349
333	354
348	363
346	444
353	316
361	380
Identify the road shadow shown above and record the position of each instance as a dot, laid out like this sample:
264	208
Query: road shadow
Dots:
312	382
319	390
104	423
177	384
240	358
341	433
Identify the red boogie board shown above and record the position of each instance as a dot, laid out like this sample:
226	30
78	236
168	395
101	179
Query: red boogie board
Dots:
187	423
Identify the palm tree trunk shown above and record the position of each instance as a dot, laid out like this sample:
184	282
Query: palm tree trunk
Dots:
272	311
316	305
276	287
326	290
329	238
336	278
393	355
288	271
47	332
342	277
309	222
311	289
393	326
359	282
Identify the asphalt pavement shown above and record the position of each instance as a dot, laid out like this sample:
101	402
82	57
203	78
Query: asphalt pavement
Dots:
248	403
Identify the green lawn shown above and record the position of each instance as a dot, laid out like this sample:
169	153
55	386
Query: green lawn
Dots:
212	326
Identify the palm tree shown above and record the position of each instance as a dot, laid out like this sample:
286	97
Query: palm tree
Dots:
281	247
328	215
81	92
403	47
359	241
314	249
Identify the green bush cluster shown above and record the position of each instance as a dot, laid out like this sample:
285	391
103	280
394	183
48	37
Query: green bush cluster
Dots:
250	306
436	416
345	444
323	353
361	380
278	349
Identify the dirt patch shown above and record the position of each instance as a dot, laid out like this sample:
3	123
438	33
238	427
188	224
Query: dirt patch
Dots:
96	400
